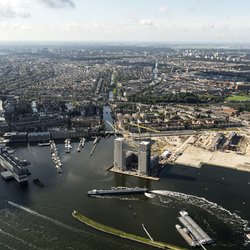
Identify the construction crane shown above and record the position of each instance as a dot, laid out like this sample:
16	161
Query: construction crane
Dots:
144	127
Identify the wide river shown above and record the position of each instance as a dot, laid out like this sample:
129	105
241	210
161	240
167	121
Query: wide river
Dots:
217	198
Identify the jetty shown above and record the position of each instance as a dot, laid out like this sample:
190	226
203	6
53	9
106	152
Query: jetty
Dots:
93	149
87	221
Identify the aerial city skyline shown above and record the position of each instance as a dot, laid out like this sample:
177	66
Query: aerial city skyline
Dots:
124	124
139	20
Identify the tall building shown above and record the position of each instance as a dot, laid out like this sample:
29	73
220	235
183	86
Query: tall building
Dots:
143	151
119	154
144	158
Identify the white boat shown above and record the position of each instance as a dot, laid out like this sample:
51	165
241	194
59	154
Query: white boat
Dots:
183	213
11	151
248	235
149	195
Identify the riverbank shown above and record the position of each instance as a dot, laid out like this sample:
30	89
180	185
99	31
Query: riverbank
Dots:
122	234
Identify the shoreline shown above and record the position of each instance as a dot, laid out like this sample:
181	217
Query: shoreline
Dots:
122	234
131	173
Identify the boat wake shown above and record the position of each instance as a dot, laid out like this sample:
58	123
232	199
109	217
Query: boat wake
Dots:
6	246
32	212
117	197
215	209
6	234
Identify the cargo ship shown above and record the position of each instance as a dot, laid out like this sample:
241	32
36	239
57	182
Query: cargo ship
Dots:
117	191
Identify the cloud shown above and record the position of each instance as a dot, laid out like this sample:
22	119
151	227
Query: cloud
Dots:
57	4
163	9
146	22
17	26
13	9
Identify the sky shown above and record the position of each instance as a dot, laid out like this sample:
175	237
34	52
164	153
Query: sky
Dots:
125	20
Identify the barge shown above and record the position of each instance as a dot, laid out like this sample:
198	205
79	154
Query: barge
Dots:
118	191
193	230
186	235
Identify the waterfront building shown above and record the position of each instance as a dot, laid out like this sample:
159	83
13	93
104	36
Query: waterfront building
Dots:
144	157
119	154
8	162
126	156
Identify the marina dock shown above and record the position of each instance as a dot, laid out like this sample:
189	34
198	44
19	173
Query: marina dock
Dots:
93	149
55	157
83	142
67	146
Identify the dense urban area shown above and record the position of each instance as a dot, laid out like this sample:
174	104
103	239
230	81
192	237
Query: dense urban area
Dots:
165	107
181	99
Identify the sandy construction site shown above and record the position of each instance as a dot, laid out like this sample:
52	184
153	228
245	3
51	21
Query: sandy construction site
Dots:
227	149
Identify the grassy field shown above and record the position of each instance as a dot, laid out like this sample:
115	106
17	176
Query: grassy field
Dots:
238	98
122	234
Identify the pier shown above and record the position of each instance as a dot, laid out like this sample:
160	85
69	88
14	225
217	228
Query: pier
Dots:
83	142
146	231
79	146
93	149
